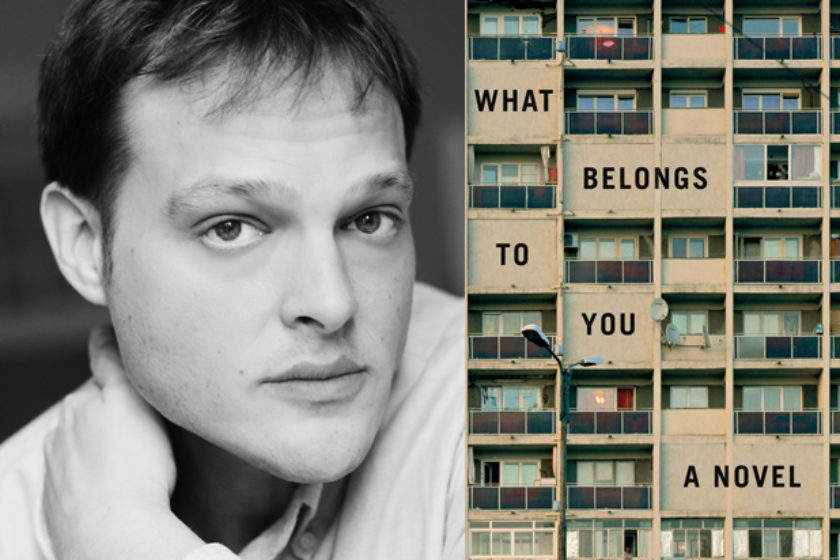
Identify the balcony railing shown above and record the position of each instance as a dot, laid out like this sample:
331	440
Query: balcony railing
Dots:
609	272
506	347
835	196
835	46
777	347
512	48
511	497
778	48
512	196
777	422
493	422
835	500
609	122
835	274
778	197
796	271
834	416
609	422
602	47
805	121
636	496
835	121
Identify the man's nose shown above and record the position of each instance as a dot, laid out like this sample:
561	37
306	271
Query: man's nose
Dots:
319	293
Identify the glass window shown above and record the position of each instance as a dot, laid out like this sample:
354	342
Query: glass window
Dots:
697	25
604	472
625	26
543	542
510	474
806	162
491	26
596	398
696	248
510	174
511	25
530	25
680	321
606	248
628	248
489	174
490	398
698	397
679	247
605	26
604	103
791	398
752	398
624	473
678	25
588	249
501	543
697	320
528	174
684	99
479	543
679	101
523	543
626	102
491	323
790	26
777	163
761	26
679	397
585	473
586	26
529	474
749	163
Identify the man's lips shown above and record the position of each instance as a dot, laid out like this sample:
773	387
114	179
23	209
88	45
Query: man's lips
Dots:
310	371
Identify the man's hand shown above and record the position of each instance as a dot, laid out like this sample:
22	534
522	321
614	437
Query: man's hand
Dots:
110	471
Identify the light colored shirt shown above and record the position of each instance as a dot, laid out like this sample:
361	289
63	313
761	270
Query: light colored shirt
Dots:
405	501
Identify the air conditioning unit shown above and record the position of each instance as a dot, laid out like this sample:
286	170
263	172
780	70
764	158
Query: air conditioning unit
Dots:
570	241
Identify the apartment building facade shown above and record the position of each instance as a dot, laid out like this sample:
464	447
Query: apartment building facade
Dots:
654	182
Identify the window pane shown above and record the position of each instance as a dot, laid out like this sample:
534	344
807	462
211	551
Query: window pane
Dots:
696	248
479	543
698	101
790	26
752	248
604	103
749	163
605	26
791	319
680	320
490	398
770	101
806	162
510	174
590	398
698	321
697	25
489	174
625	473
490	324
543	542
790	102
530	25
628	248
761	26
625	103
585	473
606	248
511	25
752	322
772	398
585	26
771	324
510	398
771	543
752	102
792	397
531	318
678	101
501	543
511	323
679	25
587	249
530	398
625	26
604	472
699	397
679	247
586	103
528	174
522	543
529	474
510	474
791	247
777	163
752	398
679	397
772	247
491	26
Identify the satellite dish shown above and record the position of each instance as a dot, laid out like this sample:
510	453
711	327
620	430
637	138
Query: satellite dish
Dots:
672	333
659	309
706	340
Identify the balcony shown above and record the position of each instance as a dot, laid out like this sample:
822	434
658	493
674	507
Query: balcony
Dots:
511	497
506	347
778	422
806	121
512	196
834	416
835	276
609	272
609	47
778	48
609	422
835	122
512	48
778	197
835	46
835	196
835	501
609	122
497	422
777	347
779	271
637	496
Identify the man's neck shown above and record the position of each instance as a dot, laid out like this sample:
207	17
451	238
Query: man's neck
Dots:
219	496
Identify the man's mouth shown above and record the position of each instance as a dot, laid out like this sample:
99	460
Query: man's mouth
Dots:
337	380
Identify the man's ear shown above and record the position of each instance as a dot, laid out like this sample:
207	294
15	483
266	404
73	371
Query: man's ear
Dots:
74	230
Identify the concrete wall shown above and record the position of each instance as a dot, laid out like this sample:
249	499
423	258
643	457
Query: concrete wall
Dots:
600	153
693	121
693	271
484	257
618	348
675	460
705	421
710	156
694	50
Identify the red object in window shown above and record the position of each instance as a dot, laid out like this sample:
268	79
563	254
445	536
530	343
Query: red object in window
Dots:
722	28
552	174
625	398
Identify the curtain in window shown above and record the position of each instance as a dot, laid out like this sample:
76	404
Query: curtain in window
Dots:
803	162
740	163
625	399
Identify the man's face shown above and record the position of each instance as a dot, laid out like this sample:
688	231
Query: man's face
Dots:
263	268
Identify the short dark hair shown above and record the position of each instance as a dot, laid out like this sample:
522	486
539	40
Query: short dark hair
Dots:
102	45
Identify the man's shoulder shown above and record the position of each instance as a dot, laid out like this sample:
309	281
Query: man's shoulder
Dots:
22	534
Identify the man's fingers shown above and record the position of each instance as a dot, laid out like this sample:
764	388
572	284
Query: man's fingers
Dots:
105	361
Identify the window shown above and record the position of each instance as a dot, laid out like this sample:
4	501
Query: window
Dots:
777	538
625	101
770	248
692	538
689	322
495	539
787	398
606	473
606	25
510	473
510	397
507	323
756	26
771	323
608	538
688	99
770	101
606	248
509	174
514	25
834	170
605	398
777	163
689	397
688	247
687	24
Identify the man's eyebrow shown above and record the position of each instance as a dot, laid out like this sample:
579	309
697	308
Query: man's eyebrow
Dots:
400	180
189	198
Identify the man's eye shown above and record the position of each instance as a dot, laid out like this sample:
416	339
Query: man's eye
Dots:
376	222
231	233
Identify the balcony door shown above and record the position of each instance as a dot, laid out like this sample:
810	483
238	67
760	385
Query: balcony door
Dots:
771	26
785	398
771	323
